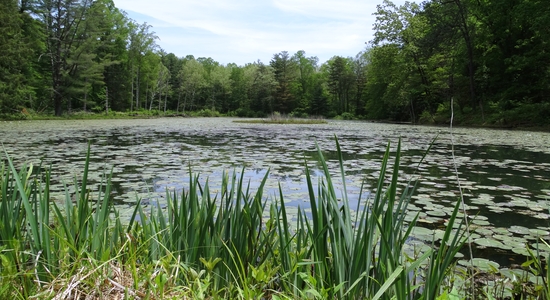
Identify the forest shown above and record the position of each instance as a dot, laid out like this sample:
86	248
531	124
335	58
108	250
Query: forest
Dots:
486	62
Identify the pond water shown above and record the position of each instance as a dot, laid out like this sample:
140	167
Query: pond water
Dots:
505	175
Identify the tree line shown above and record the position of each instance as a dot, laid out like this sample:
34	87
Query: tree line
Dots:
487	61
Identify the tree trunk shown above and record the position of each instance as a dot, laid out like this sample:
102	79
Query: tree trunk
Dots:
413	115
137	89
132	99
106	99
464	29
184	104
85	93
165	100
160	98
178	106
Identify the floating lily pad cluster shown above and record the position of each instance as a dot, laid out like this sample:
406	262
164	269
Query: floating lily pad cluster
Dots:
504	175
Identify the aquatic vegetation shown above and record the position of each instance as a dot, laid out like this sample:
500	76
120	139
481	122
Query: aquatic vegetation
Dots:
282	121
277	118
237	244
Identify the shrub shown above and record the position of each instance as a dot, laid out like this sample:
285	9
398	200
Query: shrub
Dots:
345	116
426	118
298	113
98	109
244	113
206	113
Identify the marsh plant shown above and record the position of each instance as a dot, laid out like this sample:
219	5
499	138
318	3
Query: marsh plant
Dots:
233	244
278	118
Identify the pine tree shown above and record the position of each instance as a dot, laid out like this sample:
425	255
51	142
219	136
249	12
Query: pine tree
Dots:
14	89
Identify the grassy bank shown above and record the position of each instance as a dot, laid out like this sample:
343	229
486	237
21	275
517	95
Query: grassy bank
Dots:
432	120
101	115
275	118
236	244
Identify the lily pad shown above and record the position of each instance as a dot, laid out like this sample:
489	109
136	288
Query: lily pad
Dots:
539	232
481	222
493	164
482	264
484	231
436	213
519	230
501	231
521	251
487	242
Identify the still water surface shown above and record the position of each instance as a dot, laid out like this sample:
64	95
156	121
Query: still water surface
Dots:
505	175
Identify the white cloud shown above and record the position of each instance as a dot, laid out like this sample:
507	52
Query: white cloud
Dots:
244	31
344	9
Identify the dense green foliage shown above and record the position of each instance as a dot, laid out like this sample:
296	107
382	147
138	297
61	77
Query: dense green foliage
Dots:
490	59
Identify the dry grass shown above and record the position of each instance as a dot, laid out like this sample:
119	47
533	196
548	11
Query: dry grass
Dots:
108	281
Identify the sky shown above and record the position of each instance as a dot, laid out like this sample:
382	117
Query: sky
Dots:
245	31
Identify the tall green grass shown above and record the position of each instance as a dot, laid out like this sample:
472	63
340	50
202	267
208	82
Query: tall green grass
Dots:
39	239
224	239
360	257
234	244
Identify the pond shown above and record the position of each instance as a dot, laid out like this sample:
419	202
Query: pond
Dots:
504	175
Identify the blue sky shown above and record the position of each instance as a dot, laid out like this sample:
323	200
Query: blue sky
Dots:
246	31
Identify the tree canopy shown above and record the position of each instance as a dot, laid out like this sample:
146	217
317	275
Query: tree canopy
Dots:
487	60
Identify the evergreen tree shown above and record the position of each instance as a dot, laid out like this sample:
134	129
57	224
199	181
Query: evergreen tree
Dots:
15	92
341	80
284	69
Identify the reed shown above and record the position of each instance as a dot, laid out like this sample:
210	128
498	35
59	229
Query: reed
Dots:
234	244
223	239
39	239
345	257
